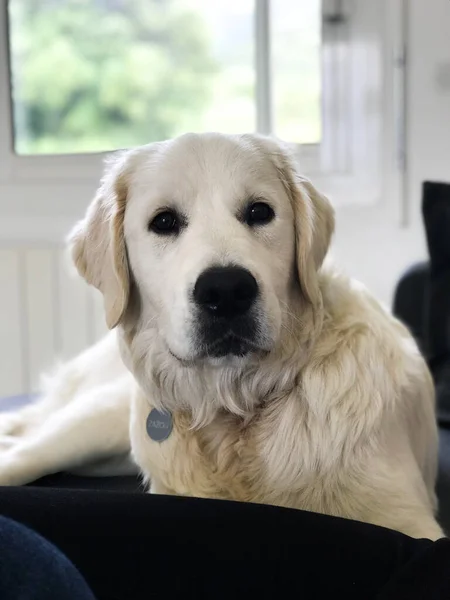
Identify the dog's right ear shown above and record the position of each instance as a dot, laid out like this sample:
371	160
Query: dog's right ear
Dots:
313	216
97	242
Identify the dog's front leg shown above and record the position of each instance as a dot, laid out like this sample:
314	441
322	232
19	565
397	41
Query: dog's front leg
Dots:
95	426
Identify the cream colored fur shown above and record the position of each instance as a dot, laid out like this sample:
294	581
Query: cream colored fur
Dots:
333	411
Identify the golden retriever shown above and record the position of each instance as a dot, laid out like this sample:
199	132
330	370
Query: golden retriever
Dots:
275	379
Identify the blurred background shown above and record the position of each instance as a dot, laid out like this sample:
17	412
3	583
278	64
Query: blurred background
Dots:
361	88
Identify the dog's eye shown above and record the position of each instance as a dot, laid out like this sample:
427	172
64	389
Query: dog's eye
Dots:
165	223
259	213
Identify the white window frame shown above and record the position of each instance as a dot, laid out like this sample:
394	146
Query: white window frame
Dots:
33	189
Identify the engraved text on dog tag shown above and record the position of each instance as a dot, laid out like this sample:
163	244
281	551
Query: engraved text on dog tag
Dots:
159	425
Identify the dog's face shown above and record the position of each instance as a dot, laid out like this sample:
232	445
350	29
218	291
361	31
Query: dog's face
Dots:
218	236
209	231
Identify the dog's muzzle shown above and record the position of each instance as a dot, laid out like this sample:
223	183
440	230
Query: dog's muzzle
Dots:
225	298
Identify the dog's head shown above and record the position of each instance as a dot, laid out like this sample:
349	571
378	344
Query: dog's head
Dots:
212	242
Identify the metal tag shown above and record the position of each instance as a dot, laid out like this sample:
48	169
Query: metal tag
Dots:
159	425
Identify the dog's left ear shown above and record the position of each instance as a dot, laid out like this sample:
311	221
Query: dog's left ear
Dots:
313	215
97	242
314	227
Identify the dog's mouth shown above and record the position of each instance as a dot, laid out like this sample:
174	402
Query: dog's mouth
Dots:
229	345
222	339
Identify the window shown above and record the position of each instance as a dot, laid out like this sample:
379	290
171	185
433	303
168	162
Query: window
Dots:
96	75
90	76
296	70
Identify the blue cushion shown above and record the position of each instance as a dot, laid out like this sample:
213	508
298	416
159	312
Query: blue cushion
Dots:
14	402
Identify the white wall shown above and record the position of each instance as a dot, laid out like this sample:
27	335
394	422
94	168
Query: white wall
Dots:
378	252
429	99
46	314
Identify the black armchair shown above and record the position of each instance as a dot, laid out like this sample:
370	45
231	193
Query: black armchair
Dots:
422	302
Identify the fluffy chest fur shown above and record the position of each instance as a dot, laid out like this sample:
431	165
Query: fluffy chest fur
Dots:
219	460
339	441
286	454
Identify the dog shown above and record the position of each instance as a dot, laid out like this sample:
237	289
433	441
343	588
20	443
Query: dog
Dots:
239	365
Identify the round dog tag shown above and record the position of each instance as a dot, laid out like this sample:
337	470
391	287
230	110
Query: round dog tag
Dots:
159	425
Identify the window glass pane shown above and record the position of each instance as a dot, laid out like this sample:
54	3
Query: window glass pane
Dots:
95	75
296	70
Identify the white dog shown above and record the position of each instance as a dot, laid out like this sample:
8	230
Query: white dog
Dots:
252	373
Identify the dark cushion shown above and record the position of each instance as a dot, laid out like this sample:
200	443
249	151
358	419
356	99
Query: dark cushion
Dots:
410	302
443	484
15	402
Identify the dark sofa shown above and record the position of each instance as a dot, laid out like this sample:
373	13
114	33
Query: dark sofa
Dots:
422	302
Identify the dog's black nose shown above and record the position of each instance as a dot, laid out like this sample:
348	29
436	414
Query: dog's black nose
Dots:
225	292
